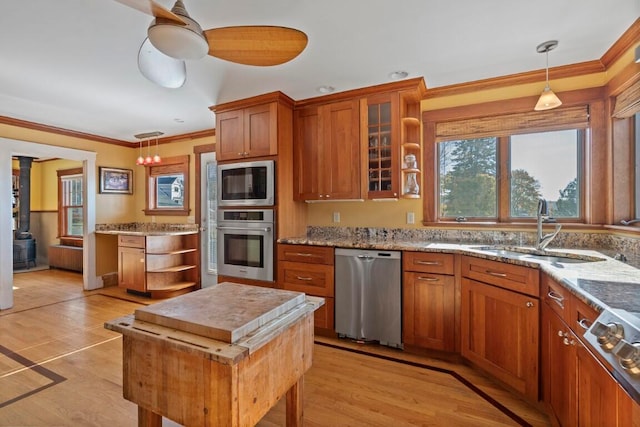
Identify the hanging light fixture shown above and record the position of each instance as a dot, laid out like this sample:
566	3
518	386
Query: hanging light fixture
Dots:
148	160
140	159
156	157
548	99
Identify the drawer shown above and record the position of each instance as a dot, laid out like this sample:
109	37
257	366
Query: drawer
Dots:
312	279
581	316
306	254
557	297
428	262
508	276
131	241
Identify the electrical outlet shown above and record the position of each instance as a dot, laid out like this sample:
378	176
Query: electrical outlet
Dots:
411	218
336	217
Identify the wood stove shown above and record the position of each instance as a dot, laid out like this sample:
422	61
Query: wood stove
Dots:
24	245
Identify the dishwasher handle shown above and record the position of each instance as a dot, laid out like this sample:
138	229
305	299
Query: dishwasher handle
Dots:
365	257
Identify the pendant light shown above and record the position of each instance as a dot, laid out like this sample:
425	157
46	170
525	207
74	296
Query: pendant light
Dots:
548	99
148	160
156	157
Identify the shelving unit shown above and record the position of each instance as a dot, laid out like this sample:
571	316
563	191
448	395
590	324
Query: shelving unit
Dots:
161	265
411	175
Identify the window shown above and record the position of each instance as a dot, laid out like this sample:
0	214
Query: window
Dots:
496	168
168	187
70	207
538	165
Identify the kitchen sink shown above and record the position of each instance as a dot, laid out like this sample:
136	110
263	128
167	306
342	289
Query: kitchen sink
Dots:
531	254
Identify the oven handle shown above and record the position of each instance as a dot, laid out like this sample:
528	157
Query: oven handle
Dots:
265	229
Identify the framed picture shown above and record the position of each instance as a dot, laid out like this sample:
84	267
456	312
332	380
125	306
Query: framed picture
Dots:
116	181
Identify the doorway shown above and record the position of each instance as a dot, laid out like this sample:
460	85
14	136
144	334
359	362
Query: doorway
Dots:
208	219
10	148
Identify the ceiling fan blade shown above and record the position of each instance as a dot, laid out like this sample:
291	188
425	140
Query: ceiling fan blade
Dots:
256	45
152	8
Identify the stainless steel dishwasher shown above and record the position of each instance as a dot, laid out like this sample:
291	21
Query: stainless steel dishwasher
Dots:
368	295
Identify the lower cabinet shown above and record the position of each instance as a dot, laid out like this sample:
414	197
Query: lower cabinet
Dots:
578	390
428	308
309	269
499	326
162	265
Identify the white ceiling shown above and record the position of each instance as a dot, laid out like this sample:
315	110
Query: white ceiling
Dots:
73	63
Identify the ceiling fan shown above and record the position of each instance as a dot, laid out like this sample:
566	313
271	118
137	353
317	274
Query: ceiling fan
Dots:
178	36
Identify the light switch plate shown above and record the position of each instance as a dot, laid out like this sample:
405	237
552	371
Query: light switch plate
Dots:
411	218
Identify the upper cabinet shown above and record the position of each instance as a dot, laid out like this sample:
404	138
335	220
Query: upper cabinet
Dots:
359	144
327	152
380	131
249	128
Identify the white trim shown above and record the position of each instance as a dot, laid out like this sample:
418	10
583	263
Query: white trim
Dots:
12	147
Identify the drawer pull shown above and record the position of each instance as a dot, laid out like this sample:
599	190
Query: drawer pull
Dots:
558	299
584	323
428	279
495	273
302	254
306	279
529	304
427	262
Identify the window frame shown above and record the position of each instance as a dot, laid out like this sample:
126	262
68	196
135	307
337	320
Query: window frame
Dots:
592	158
170	165
62	208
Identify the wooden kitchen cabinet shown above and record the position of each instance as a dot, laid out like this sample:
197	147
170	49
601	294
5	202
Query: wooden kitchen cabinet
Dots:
161	265
252	127
578	389
309	269
381	136
500	318
327	152
428	306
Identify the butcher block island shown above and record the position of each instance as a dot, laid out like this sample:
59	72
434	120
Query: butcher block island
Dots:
219	356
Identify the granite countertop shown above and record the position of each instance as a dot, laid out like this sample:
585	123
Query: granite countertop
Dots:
608	283
147	229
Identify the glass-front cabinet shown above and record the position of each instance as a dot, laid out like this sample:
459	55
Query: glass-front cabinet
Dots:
382	137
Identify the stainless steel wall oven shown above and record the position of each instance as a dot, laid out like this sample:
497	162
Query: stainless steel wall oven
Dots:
246	243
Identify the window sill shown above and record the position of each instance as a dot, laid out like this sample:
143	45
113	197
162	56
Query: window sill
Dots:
514	225
167	212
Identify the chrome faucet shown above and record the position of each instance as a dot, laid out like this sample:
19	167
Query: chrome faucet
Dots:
543	241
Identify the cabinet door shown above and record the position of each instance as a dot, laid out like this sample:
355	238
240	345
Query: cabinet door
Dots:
379	126
596	392
500	334
230	135
306	150
131	269
339	153
558	367
260	130
429	310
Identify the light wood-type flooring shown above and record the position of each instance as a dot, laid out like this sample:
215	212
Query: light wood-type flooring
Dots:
60	367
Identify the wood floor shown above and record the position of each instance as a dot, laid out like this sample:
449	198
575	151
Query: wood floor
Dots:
60	367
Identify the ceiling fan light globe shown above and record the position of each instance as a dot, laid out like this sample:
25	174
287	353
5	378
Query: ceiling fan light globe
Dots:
547	100
178	41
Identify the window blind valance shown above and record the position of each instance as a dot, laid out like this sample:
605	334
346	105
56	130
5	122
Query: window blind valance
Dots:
628	102
575	117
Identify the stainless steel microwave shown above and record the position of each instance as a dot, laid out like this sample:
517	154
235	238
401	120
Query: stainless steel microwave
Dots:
246	183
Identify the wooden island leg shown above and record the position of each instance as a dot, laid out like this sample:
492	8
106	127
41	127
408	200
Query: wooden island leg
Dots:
146	418
294	410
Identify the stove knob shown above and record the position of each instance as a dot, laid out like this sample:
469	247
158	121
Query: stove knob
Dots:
629	355
608	335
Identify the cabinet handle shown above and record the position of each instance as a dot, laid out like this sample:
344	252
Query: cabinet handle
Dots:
428	279
306	279
558	299
495	273
529	304
427	262
567	341
584	323
301	254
